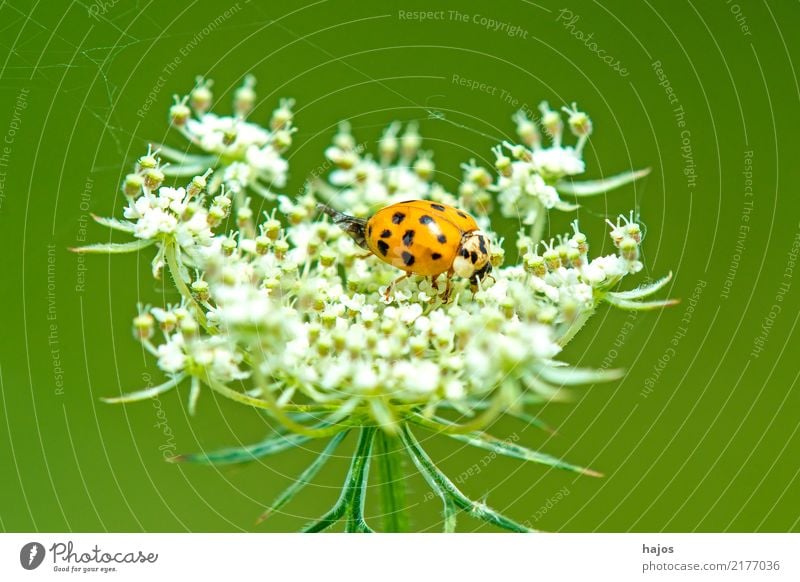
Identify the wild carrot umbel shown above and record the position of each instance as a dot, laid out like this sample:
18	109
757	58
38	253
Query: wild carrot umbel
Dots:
280	311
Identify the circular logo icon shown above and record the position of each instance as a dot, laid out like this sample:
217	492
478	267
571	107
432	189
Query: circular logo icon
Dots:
31	555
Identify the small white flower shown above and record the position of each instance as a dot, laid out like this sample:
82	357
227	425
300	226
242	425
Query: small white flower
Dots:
558	161
171	356
365	379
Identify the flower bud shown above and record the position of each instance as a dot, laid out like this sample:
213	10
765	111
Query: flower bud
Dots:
222	201
314	331
272	229
229	135
153	178
629	249
346	160
519	152
424	168
418	345
502	162
343	138
200	97
527	130
200	289
228	246
535	264
574	257
198	184
283	115
552	122
570	309
479	176
245	96
323	345
229	276
180	112
579	122
143	326
410	142
547	314
497	256
282	139
216	215
634	231
272	283
328	319
580	241
244	216
388	145
551	259
281	247
189	328
483	202
147	162
327	258
262	244
132	186
297	215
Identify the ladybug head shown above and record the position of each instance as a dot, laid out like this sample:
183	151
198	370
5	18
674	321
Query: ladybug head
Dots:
472	260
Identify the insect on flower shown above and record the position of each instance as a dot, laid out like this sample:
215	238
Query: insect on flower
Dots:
424	238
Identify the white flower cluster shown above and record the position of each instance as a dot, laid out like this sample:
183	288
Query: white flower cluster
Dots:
246	155
360	182
310	316
528	181
285	312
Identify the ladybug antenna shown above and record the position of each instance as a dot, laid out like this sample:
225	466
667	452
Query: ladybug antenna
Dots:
355	227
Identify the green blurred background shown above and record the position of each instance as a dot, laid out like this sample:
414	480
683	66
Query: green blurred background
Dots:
701	435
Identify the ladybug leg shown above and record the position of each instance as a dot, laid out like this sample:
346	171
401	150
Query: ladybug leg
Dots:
391	285
435	282
448	287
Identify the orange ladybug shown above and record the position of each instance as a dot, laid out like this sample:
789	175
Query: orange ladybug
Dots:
421	237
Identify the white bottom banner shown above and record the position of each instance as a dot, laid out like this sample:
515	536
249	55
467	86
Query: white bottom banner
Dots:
401	557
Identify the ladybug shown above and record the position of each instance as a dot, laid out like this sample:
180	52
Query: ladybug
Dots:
421	237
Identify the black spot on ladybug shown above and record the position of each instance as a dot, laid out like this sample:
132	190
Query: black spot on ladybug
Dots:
436	256
398	217
425	219
408	258
438	207
461	214
386	233
482	245
383	247
473	256
408	238
441	238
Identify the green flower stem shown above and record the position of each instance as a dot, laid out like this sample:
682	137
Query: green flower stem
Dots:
537	229
351	500
449	493
305	477
170	253
357	482
393	486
